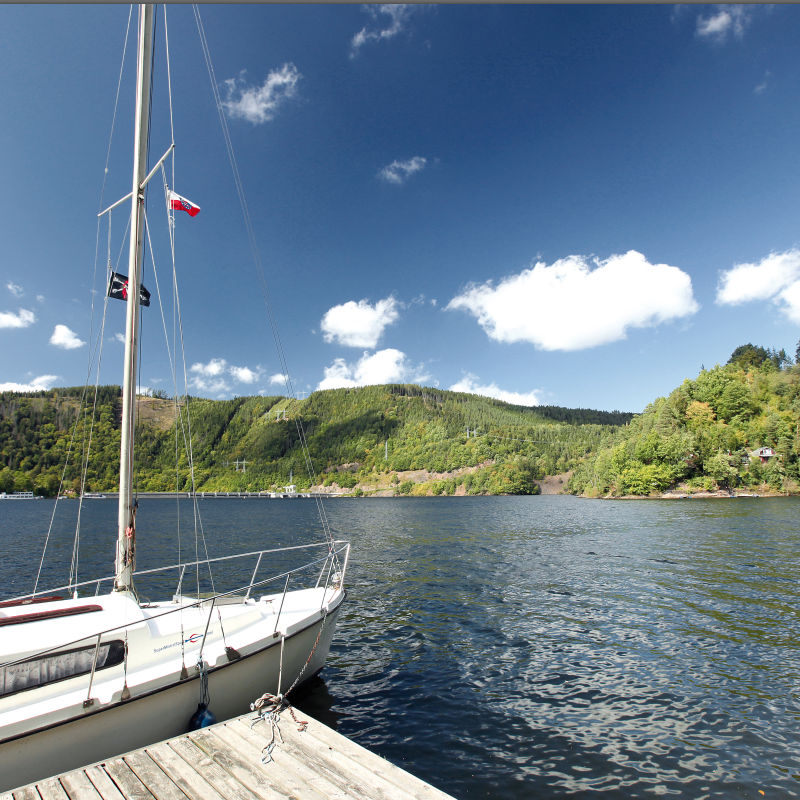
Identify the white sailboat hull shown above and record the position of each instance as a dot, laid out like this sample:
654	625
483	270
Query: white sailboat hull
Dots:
85	676
103	731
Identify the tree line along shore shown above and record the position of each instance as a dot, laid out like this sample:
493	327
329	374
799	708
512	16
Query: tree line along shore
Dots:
734	428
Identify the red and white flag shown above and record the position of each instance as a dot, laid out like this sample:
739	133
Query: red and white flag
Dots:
178	203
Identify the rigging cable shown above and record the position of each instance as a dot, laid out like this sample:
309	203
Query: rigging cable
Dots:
259	267
171	228
91	356
183	422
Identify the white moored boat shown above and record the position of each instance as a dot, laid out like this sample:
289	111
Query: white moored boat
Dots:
89	670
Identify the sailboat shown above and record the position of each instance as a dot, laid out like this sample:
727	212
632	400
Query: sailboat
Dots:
89	671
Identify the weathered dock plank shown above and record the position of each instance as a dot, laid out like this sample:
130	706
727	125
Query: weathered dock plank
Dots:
51	789
26	793
356	780
224	753
185	777
225	762
290	777
224	783
127	782
285	766
153	777
106	788
78	786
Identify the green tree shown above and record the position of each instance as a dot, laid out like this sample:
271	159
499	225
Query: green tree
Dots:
748	356
721	469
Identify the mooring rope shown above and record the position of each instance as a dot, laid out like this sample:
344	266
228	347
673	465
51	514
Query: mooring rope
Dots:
268	709
269	706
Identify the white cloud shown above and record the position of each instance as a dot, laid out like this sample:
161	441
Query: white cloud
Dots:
385	366
65	338
258	104
278	378
399	172
790	299
358	324
214	368
776	277
395	16
245	374
15	289
574	304
469	384
120	337
214	376
215	386
724	20
22	319
42	383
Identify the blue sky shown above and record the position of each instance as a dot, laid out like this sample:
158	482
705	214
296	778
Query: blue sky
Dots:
570	205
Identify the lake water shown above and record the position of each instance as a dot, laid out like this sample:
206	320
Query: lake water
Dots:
504	647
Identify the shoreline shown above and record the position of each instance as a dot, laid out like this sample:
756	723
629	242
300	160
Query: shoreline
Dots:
702	495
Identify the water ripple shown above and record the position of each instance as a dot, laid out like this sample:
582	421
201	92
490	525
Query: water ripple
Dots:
549	646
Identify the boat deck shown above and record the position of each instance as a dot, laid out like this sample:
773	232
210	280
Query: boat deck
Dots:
224	762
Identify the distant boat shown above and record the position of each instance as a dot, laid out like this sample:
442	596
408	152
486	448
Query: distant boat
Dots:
94	669
19	496
93	496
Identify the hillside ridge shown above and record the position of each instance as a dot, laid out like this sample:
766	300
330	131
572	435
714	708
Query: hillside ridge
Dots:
394	438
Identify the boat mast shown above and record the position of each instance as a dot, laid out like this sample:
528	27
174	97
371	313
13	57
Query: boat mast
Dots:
125	557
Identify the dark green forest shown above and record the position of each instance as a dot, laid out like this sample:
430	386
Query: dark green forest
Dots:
364	439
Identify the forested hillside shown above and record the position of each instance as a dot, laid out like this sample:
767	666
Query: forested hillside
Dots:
362	439
404	439
705	434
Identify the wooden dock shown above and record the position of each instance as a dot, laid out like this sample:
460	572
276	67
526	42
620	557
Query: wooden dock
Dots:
224	762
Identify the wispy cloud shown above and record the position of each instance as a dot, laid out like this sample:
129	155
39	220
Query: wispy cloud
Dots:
775	278
399	172
15	289
216	375
22	319
42	383
469	383
278	379
385	366
259	104
388	21
760	88
358	324
577	303
65	338
724	21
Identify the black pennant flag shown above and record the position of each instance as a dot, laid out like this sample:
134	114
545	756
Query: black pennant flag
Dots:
118	289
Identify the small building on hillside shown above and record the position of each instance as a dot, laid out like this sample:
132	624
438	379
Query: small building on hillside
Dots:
763	453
